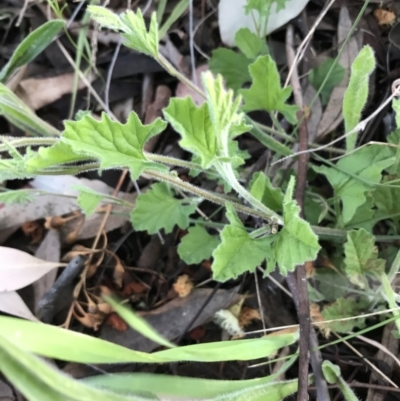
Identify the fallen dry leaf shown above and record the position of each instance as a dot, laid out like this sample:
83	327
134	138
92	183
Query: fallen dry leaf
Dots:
20	269
13	304
332	115
171	319
39	92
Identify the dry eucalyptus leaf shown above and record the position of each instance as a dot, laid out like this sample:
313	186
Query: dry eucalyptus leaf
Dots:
171	319
332	115
13	304
39	92
50	250
232	17
20	269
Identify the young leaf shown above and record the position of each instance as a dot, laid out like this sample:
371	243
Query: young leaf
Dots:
19	196
88	200
263	6
262	189
356	174
31	47
115	144
20	269
197	245
296	243
59	153
317	76
20	115
233	66
157	209
333	376
343	308
132	24
195	126
224	113
238	251
250	44
361	257
356	93
266	92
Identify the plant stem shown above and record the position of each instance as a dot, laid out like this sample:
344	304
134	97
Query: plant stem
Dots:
187	187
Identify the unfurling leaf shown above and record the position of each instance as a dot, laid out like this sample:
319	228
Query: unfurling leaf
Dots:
356	93
88	200
133	27
18	196
157	209
114	144
333	376
250	44
266	92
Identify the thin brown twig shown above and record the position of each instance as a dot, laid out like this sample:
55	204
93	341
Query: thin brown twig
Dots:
298	281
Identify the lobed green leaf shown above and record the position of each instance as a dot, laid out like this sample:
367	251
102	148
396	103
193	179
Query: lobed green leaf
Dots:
115	144
158	209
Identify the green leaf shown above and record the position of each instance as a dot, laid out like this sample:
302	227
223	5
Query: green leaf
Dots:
262	189
31	47
263	6
238	350
356	174
386	201
19	196
333	375
187	387
115	144
197	245
394	138
266	92
234	67
361	257
396	108
38	380
356	93
20	115
157	209
59	153
55	342
138	324
296	243
343	308
88	200
194	125
250	44
238	251
11	169
317	76
365	215
132	24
